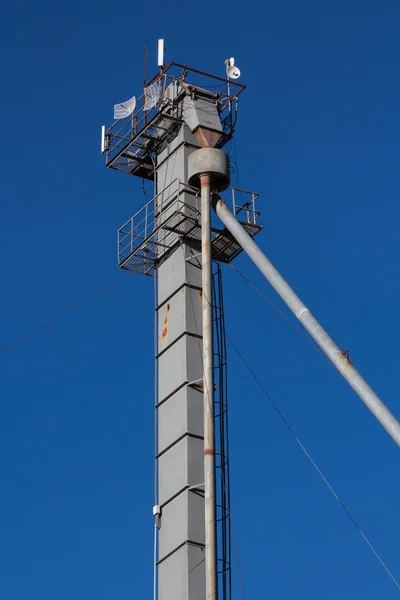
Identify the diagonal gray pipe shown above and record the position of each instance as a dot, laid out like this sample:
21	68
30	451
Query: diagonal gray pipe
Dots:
333	352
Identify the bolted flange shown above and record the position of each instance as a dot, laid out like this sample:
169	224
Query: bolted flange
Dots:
212	161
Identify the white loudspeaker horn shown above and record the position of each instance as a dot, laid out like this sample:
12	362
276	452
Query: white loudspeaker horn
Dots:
233	72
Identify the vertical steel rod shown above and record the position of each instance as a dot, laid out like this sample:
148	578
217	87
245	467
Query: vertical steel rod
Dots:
333	352
208	391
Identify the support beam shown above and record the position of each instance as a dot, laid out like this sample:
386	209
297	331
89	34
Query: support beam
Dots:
324	341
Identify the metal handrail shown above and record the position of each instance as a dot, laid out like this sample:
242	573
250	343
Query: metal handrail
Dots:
146	222
123	131
248	207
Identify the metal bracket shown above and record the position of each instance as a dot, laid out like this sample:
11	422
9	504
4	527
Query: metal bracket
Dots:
157	515
195	382
196	486
193	256
197	489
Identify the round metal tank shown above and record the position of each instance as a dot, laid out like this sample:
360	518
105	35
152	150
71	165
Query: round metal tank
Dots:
212	161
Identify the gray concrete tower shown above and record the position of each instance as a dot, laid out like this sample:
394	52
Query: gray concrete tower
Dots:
178	114
180	400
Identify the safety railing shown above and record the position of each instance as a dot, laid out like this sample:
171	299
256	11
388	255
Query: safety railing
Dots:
159	223
131	136
244	205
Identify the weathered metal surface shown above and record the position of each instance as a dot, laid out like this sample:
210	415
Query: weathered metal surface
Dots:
208	378
180	523
164	333
182	413
179	467
188	561
206	137
174	274
200	113
177	316
325	342
178	365
210	161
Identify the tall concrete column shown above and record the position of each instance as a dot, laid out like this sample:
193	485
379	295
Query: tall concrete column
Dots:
180	458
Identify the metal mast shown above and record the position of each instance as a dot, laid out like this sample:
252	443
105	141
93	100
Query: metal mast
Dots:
208	390
173	136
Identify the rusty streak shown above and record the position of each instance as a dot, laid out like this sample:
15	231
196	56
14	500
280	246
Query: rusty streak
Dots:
164	332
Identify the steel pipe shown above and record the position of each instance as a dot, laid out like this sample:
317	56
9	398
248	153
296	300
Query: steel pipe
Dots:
324	341
208	392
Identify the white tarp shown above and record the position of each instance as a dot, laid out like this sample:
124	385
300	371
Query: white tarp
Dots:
151	96
125	108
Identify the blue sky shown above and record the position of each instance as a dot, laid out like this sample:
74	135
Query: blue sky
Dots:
318	139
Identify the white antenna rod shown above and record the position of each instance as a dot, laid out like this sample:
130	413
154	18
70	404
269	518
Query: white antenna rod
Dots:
160	53
103	138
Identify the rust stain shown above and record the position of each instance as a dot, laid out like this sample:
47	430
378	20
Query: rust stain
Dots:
207	137
209	452
201	386
164	333
200	292
345	356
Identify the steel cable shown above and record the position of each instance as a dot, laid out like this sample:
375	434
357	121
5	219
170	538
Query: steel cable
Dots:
312	461
64	314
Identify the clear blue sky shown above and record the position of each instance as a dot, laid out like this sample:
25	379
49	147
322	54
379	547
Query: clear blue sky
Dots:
318	138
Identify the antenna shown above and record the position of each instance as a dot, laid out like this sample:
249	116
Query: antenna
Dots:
103	139
161	53
145	66
124	109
